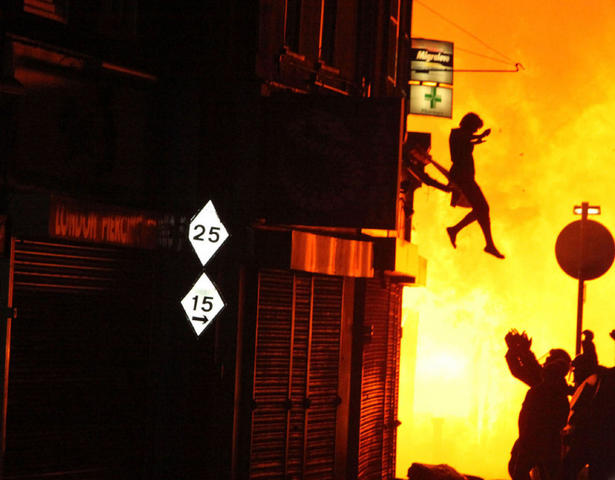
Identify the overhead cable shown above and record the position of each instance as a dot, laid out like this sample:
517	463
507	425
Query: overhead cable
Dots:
504	58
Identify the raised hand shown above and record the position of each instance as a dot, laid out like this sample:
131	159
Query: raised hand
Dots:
518	341
510	338
524	341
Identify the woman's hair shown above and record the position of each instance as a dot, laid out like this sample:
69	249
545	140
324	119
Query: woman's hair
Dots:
471	120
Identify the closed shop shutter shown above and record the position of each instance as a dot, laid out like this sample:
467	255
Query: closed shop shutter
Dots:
391	392
77	395
296	376
377	430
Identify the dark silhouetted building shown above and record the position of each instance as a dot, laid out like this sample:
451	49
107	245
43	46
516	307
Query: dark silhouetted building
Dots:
120	120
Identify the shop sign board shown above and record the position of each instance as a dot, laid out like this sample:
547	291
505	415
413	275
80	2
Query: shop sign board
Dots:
97	223
431	61
431	100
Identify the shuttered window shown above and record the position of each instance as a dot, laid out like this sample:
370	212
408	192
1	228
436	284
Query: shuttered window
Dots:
380	377
296	376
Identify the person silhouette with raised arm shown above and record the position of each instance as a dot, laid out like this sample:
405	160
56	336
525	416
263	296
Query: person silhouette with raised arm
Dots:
544	411
461	143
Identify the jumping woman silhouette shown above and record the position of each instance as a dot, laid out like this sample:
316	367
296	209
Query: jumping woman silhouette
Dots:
461	143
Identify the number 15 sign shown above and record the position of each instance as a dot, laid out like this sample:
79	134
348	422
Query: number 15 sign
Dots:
203	302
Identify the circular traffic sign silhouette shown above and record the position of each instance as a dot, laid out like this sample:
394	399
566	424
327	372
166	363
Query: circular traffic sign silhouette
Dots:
593	257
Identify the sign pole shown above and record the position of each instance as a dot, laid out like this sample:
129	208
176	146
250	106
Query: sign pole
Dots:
585	250
579	315
581	292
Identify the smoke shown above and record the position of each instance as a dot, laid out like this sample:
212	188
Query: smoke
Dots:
552	147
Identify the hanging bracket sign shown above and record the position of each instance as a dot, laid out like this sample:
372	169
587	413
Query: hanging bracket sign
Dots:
430	100
431	61
431	77
203	302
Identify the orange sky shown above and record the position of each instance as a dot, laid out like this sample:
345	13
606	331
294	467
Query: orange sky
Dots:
551	147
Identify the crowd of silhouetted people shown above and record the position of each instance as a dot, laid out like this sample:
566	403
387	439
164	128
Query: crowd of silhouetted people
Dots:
565	431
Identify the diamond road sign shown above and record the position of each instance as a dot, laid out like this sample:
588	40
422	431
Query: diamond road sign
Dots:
202	303
206	232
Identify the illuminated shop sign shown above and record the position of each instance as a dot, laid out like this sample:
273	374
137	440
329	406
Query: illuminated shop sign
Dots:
97	223
431	100
431	61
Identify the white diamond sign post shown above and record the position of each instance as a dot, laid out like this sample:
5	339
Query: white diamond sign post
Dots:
207	232
202	303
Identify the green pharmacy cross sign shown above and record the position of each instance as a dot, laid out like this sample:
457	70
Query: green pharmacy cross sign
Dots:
431	100
433	97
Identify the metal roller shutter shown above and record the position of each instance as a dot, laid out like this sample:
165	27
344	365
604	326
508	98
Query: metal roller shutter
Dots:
296	376
391	393
76	269
77	395
378	419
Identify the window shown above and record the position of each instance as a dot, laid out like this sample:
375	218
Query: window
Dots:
292	22
393	41
327	31
118	18
53	9
309	28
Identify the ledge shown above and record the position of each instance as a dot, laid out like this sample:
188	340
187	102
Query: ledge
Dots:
319	252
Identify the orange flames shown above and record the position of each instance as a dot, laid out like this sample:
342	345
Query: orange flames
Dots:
551	147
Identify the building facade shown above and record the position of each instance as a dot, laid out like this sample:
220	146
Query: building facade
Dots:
121	119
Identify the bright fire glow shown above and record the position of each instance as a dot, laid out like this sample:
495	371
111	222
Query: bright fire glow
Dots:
551	148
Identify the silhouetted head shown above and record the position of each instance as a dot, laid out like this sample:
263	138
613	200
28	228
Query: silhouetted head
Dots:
556	369
582	367
586	363
557	365
559	354
471	122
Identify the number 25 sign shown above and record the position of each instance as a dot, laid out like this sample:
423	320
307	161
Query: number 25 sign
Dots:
207	232
203	302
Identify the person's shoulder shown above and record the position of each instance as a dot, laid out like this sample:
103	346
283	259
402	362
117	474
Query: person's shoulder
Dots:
459	134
